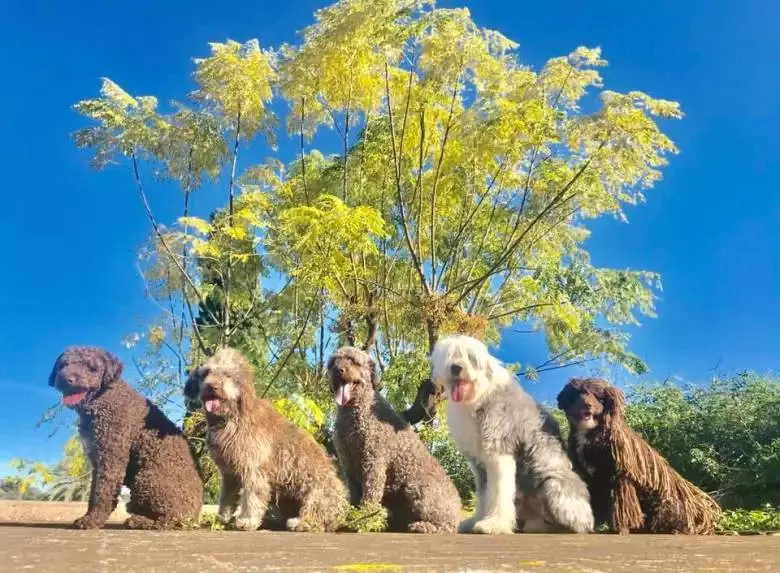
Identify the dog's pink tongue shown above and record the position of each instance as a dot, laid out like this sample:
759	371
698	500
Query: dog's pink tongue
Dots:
211	405
457	391
72	399
343	395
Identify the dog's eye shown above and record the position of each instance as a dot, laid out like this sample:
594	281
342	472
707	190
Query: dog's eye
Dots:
472	358
92	367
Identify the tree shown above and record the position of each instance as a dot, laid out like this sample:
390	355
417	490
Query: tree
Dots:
484	172
456	201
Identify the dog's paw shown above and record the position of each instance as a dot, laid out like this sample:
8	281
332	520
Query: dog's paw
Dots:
226	515
493	526
297	524
87	522
424	527
467	525
246	524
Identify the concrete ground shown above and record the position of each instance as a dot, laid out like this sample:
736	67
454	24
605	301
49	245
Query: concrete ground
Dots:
49	546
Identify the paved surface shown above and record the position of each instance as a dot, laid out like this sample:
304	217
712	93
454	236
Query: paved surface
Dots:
57	511
53	548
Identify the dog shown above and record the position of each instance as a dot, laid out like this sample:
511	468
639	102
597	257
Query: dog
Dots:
128	441
263	459
632	487
381	455
524	479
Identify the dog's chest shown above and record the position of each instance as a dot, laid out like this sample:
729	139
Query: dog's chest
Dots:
465	430
581	443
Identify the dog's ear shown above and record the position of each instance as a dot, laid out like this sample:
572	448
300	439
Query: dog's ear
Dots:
112	368
567	397
614	402
192	386
55	369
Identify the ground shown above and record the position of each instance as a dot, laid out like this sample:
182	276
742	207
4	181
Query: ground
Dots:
52	547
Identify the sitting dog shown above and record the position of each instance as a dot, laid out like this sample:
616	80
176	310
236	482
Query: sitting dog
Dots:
383	459
262	458
128	441
523	476
632	487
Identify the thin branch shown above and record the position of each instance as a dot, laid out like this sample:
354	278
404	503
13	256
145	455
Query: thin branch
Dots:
225	338
456	245
303	151
399	196
519	310
161	237
438	174
549	207
291	351
554	359
346	138
567	365
418	190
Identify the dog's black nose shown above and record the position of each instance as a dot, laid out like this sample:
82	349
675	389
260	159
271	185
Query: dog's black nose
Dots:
455	369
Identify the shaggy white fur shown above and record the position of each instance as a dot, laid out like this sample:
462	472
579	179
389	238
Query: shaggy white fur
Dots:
523	477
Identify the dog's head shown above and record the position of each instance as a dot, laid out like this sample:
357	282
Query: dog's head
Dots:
224	384
590	403
464	369
352	374
81	371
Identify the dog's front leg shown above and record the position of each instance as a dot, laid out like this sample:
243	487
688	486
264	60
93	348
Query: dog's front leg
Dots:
229	490
374	470
480	483
499	506
110	466
254	503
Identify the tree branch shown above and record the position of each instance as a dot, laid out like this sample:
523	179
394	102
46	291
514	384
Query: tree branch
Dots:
161	237
399	196
290	352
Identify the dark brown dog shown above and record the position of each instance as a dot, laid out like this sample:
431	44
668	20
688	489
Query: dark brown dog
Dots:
632	487
128	441
384	460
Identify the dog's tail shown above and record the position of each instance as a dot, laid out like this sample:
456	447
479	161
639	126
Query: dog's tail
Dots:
567	502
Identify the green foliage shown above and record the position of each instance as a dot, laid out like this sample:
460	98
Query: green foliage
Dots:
724	436
767	518
366	519
67	480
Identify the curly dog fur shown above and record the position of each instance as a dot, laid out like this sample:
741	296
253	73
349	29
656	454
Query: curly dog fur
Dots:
263	459
633	488
383	459
128	441
522	474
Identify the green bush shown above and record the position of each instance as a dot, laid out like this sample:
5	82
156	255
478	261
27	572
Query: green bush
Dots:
766	518
723	436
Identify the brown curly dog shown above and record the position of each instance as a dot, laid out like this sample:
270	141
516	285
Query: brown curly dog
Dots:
128	441
632	487
382	457
263	459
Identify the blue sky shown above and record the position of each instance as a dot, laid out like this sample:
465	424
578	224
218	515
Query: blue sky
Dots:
69	235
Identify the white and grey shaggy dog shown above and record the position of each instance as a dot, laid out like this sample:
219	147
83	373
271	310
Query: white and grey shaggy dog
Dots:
523	477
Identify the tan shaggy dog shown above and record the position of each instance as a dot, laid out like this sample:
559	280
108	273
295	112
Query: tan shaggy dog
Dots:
263	459
384	460
632	487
